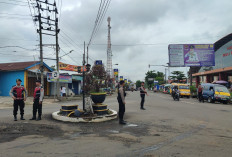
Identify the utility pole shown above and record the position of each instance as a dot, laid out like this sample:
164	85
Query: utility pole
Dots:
46	27
83	91
57	58
87	54
41	48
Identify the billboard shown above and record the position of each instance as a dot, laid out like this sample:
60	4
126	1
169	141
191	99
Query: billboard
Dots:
186	55
69	67
125	80
116	72
62	78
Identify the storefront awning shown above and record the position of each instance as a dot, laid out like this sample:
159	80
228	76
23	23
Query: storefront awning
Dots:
213	71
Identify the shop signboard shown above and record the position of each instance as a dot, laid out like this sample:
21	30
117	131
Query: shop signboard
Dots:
116	72
186	55
69	67
121	78
62	78
125	80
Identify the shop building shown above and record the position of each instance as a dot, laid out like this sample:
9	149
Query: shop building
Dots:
28	72
223	63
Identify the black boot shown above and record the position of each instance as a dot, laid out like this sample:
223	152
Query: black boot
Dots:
22	118
33	118
39	118
121	121
15	118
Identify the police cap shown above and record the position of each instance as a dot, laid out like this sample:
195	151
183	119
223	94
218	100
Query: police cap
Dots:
18	80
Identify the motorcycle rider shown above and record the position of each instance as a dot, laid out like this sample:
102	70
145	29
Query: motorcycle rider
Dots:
174	92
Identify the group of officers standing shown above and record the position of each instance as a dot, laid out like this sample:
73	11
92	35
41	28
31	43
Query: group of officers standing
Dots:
122	102
19	95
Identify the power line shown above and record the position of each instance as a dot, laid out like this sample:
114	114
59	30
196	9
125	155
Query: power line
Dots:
13	14
13	4
102	16
18	47
154	44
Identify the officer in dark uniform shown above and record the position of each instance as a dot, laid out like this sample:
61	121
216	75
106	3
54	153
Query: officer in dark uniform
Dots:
19	94
142	95
121	102
38	99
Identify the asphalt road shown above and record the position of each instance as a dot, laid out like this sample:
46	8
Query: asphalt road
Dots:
166	129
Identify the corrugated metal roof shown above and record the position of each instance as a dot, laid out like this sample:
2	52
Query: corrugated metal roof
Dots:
16	65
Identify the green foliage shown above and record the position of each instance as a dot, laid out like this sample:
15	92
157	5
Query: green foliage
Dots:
158	76
193	89
138	83
178	75
96	79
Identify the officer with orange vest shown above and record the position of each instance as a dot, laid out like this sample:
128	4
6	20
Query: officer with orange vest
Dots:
38	99
19	94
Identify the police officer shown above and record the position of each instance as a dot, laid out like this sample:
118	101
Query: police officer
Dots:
121	102
38	99
19	94
142	94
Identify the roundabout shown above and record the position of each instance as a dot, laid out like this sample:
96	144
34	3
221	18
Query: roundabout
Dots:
94	119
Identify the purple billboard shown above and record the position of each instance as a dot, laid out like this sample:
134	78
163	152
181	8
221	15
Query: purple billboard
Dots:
191	55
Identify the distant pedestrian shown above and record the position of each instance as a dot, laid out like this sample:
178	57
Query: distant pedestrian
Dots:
38	99
19	94
121	102
61	94
64	91
142	94
200	93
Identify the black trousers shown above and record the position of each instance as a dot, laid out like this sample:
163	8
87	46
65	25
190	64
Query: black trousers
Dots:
142	100
18	104
121	109
200	97
37	107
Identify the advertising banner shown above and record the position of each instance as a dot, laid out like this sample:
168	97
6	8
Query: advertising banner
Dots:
125	80
62	78
116	72
68	67
191	55
121	78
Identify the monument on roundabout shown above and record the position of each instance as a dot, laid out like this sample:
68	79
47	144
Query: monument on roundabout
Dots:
95	80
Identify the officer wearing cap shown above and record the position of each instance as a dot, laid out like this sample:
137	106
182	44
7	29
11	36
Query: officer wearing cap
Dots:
19	95
38	99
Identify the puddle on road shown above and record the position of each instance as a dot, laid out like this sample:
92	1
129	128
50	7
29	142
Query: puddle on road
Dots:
113	131
132	125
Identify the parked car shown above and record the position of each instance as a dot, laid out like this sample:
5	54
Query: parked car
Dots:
215	92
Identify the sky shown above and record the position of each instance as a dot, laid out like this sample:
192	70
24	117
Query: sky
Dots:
140	34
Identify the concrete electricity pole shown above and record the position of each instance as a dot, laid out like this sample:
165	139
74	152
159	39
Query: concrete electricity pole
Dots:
46	24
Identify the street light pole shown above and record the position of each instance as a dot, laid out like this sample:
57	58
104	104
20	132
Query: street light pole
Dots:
83	91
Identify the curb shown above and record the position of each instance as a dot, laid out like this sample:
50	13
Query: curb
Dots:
96	119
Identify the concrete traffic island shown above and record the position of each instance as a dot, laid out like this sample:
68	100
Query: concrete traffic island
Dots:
97	112
85	118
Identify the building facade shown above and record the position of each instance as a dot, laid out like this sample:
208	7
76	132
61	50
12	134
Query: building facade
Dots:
28	72
223	63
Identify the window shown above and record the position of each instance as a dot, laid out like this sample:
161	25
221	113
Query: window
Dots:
221	89
183	87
